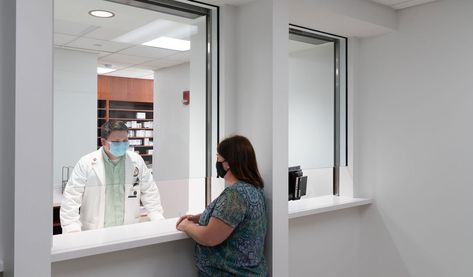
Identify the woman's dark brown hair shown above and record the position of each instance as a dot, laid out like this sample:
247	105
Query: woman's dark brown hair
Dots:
240	156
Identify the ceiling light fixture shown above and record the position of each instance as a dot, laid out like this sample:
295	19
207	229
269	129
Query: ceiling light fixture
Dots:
101	13
104	70
169	43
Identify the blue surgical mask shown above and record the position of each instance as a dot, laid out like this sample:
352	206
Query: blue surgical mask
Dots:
118	148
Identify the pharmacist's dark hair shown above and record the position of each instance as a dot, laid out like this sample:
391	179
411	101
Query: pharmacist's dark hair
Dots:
240	156
110	126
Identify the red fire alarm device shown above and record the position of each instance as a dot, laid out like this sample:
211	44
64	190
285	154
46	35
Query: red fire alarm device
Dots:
186	97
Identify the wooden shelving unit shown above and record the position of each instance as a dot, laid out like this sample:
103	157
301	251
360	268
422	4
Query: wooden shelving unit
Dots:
127	112
122	99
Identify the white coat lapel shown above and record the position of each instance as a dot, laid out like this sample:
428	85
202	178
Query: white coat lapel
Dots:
130	168
98	166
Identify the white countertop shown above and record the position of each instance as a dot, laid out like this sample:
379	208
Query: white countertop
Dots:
93	242
316	205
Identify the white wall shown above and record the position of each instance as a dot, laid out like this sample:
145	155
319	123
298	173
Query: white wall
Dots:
75	108
197	106
162	260
7	132
325	245
171	138
171	120
414	150
311	110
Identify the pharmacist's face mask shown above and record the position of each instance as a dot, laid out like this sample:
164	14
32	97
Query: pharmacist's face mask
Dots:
118	148
117	143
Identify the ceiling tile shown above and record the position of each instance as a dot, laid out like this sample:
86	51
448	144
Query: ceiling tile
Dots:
161	63
124	59
131	73
147	51
72	28
183	56
98	45
61	39
402	4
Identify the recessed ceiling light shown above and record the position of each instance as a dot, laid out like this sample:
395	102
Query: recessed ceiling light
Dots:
104	70
101	13
169	43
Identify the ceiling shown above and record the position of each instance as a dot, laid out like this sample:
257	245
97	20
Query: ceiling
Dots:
402	4
117	40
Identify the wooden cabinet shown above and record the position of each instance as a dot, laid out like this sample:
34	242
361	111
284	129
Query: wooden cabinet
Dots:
131	101
125	89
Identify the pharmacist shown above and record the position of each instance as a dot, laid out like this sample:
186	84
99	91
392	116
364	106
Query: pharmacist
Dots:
107	185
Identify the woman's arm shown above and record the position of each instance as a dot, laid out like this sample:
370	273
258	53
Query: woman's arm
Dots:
211	235
193	218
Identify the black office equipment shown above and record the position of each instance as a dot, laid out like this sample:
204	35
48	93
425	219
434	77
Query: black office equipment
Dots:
297	183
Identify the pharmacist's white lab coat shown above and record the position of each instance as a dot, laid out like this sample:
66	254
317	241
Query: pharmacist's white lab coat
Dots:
86	190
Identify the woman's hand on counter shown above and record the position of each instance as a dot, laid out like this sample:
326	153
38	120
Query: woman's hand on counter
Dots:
189	217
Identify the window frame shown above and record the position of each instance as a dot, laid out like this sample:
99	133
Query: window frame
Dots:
338	93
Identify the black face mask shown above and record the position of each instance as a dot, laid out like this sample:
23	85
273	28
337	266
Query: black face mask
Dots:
221	172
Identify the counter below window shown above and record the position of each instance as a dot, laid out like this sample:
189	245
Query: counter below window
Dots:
316	205
93	242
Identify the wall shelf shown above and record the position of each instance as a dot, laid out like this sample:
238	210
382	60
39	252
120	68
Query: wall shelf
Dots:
131	110
139	137
130	119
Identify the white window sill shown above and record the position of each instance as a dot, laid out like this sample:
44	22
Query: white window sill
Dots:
93	242
322	204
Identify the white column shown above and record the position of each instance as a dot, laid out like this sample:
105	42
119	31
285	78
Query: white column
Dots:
33	137
261	110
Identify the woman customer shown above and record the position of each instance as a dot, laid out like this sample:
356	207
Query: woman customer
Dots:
230	233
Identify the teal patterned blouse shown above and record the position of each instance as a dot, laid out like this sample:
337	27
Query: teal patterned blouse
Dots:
241	206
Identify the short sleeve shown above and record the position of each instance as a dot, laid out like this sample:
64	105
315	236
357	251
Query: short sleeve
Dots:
230	208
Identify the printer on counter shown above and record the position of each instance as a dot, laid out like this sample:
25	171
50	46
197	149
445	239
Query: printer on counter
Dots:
297	183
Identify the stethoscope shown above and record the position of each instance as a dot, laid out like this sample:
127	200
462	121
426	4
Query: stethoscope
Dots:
133	190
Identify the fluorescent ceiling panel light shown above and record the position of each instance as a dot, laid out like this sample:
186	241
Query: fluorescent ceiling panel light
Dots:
101	13
104	70
158	28
169	43
145	32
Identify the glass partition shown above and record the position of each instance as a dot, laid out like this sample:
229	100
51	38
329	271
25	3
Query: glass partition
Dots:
147	65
